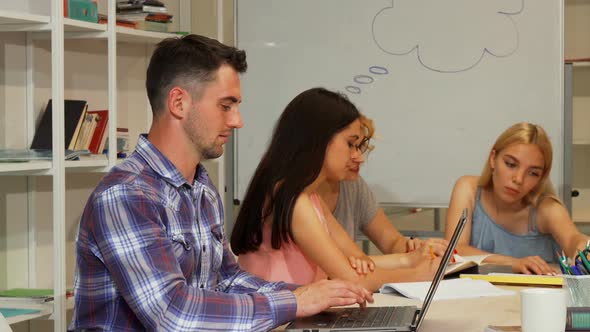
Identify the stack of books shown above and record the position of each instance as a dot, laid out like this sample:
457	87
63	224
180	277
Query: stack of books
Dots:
150	15
83	130
31	294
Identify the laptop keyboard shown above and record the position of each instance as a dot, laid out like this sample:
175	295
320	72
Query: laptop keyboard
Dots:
370	317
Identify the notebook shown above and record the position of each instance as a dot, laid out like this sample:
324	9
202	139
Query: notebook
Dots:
394	318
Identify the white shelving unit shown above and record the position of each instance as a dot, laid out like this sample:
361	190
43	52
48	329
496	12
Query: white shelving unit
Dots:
46	309
39	48
577	47
25	20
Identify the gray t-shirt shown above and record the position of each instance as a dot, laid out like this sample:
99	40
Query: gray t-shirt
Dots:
356	206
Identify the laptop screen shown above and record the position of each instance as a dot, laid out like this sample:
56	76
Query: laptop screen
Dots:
442	267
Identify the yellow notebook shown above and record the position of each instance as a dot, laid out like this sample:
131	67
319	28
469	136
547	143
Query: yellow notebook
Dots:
517	279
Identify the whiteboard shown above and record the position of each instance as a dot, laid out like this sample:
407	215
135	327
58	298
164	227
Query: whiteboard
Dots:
440	78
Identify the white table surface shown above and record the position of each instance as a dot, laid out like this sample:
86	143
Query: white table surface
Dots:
465	315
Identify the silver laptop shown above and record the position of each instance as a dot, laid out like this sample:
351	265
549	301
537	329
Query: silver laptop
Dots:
394	318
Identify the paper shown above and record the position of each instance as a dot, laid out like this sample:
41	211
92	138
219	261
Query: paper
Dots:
464	262
11	312
448	289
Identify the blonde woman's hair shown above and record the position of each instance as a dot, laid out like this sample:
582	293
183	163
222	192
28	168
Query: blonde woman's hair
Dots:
525	133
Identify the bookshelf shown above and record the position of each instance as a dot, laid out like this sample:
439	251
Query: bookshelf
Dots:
45	309
577	48
129	35
24	20
46	56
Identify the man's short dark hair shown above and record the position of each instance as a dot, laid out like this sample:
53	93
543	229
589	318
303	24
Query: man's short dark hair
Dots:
190	62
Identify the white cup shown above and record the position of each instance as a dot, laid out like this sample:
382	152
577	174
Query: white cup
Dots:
542	309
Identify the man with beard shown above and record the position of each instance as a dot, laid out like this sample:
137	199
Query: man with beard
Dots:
151	249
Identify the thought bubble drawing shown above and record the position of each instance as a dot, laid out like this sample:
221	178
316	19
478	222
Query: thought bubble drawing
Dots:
448	36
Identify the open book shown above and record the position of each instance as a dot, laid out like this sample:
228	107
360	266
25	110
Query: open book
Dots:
464	262
447	289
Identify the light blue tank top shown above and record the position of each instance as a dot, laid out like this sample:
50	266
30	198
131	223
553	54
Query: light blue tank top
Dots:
487	235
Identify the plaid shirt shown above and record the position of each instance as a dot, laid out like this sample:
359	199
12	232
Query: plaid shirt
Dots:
152	255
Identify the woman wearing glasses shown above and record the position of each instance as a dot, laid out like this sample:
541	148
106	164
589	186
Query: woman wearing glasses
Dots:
284	231
354	205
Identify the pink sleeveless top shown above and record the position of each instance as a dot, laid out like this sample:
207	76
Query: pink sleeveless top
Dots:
288	263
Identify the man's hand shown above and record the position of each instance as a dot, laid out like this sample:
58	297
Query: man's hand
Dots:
323	294
531	265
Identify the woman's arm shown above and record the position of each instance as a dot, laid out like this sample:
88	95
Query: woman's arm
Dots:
390	261
463	196
554	219
344	242
384	235
390	241
317	245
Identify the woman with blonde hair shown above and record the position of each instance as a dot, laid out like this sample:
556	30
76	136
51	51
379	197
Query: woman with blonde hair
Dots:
514	214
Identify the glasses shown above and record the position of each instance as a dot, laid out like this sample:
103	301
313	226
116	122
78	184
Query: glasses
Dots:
363	146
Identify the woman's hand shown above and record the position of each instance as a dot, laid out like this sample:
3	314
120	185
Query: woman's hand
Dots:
439	245
532	265
362	265
426	269
427	250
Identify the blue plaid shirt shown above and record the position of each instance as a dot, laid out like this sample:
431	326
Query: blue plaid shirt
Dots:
152	255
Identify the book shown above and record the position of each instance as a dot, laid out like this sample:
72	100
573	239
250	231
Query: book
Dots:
99	138
11	312
577	319
153	26
516	279
464	262
86	132
42	294
24	155
74	111
447	289
154	9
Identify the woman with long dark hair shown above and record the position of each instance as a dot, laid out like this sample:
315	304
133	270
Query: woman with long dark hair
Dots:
284	230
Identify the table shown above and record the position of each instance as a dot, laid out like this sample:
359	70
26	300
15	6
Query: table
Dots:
466	315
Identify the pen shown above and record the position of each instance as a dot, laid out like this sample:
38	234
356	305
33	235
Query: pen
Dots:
565	269
560	263
453	260
584	260
409	250
575	270
581	268
432	256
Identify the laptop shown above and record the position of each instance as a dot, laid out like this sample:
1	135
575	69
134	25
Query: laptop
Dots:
393	318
